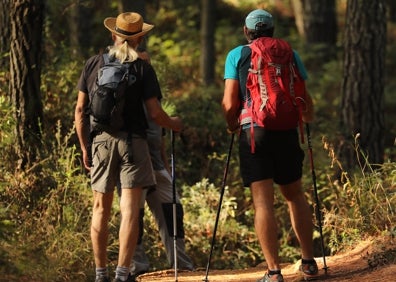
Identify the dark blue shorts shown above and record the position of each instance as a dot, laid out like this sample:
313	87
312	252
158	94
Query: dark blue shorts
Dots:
277	156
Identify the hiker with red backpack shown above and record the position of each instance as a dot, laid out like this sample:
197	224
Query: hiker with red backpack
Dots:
265	102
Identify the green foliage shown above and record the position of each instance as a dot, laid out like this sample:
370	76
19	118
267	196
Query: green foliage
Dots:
235	245
177	44
198	107
7	127
59	81
50	203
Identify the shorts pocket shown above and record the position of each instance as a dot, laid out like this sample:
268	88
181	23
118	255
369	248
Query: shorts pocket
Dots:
100	153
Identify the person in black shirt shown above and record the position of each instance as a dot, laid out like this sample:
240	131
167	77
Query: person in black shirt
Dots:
111	160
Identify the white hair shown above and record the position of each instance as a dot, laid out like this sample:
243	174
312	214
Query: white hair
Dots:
123	50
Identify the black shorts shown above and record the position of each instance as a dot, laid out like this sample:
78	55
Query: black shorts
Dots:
277	156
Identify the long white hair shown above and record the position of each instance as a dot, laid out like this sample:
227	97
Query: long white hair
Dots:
123	50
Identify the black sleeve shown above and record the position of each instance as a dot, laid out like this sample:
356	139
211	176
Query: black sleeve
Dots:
88	74
151	85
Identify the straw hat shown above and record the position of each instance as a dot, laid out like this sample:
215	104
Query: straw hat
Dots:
128	25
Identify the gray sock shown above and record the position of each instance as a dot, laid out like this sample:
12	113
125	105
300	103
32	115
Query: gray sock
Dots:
101	272
122	273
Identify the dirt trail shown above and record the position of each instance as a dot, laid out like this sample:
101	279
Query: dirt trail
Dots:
369	261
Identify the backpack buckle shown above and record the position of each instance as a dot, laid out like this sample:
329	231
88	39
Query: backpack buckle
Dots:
278	70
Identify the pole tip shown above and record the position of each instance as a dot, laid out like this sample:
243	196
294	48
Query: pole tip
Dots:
325	269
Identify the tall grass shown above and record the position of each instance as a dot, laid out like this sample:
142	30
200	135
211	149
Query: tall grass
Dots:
364	203
46	210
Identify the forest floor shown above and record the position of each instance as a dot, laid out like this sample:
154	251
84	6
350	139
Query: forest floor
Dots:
371	260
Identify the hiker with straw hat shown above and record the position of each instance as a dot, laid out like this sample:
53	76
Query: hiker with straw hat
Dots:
110	152
128	31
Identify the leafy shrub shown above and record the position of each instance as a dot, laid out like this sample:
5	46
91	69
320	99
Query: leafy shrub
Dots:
234	243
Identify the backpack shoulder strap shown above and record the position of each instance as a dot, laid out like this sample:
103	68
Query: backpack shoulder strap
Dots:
106	58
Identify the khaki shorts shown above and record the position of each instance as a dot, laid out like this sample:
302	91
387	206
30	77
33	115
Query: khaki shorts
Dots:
111	163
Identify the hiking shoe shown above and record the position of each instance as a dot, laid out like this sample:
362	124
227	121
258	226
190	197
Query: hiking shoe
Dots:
309	269
131	278
102	279
271	278
136	274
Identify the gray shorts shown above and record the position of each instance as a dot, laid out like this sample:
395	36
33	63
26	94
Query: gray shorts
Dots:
111	162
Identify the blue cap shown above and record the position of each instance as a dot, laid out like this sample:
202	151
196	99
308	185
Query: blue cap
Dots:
259	20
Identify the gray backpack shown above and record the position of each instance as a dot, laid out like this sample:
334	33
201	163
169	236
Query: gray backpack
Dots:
107	99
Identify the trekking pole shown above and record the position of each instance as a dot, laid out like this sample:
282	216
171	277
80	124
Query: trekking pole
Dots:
174	203
318	212
219	207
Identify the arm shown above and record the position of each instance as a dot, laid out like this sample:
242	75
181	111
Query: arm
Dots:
82	126
160	117
231	104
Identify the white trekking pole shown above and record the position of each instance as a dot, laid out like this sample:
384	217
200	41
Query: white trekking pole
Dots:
174	204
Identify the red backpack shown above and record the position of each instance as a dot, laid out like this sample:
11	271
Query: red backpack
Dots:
276	87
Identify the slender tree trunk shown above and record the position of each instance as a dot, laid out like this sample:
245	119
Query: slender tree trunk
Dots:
320	28
207	65
391	7
74	27
362	119
299	16
4	33
85	24
79	25
132	6
320	23
25	66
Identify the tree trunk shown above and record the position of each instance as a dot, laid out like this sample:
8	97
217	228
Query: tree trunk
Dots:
298	16
320	23
320	28
26	18
4	34
207	65
362	119
137	6
73	17
391	7
79	27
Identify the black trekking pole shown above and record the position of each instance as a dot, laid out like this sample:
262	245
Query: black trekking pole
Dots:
219	207
317	210
174	205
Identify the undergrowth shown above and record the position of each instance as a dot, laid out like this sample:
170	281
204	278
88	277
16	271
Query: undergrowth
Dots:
361	204
50	205
45	211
